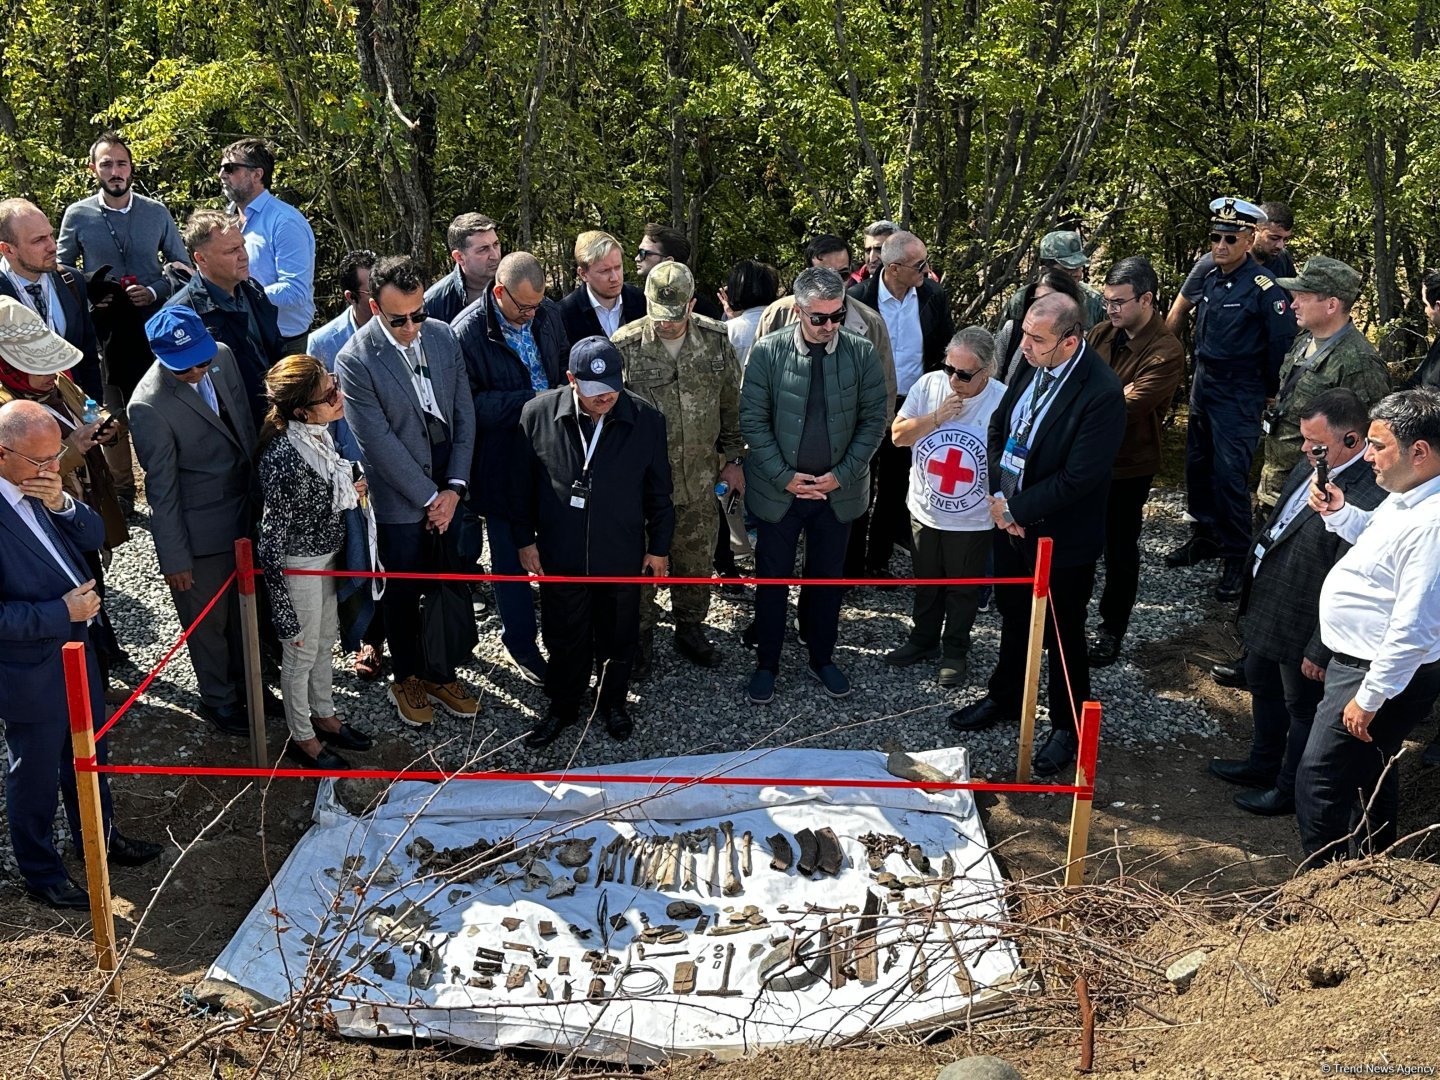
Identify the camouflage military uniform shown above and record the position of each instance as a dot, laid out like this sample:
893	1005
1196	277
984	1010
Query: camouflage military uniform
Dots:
698	391
1351	362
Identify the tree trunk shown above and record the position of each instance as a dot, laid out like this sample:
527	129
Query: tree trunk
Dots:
922	108
532	129
675	73
862	134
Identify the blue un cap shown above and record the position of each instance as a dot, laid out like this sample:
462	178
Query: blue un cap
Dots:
596	365
179	339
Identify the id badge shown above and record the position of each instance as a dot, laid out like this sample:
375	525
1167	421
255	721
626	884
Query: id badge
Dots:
579	495
1013	459
1265	426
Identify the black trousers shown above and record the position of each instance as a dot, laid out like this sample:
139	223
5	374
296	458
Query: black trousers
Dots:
1282	701
1339	774
408	549
1070	590
819	605
587	627
1124	515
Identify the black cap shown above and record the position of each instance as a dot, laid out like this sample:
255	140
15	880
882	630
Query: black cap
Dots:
596	365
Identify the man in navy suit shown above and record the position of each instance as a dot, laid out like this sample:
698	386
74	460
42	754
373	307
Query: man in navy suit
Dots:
603	301
1053	441
30	273
47	599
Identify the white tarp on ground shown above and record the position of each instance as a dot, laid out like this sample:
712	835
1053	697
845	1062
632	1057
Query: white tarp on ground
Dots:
328	920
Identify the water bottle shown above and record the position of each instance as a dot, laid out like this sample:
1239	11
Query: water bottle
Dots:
721	490
92	411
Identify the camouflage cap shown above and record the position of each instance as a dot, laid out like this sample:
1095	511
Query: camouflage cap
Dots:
1065	248
669	288
1324	276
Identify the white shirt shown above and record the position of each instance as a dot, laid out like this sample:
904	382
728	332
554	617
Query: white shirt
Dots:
1025	404
949	472
609	317
55	314
907	344
414	360
16	497
1381	601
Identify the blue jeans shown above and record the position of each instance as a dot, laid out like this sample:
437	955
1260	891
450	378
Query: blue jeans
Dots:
517	610
1224	430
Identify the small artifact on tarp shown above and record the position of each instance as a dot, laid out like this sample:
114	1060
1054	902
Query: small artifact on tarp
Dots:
518	974
809	852
906	767
684	980
575	852
781	857
796	966
831	858
682	909
384	965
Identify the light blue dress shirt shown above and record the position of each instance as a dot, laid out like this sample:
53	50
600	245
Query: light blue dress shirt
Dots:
907	346
281	247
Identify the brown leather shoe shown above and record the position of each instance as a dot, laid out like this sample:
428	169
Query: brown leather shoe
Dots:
412	703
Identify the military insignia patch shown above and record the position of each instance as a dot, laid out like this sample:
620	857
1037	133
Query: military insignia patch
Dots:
1279	307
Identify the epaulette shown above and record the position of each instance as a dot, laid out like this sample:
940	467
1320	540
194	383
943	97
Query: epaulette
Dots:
1263	281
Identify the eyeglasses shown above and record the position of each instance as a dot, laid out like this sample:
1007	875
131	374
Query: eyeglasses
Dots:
918	267
641	254
228	167
51	462
1226	237
397	321
956	373
1118	304
525	311
327	399
820	318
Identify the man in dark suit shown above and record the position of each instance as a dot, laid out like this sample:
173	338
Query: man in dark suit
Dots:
1053	441
195	438
229	301
1284	657
603	301
917	317
29	273
411	412
514	348
47	599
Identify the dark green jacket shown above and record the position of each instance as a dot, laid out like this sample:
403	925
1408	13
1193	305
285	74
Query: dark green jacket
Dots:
772	414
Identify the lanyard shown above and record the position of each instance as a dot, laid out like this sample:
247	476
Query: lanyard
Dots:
1038	400
587	445
124	249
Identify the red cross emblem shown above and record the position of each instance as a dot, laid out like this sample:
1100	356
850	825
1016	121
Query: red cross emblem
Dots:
951	470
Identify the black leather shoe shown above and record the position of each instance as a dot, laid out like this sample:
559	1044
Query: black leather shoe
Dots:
644	656
1231	675
1057	753
1104	649
1268	803
67	895
327	759
1228	590
618	724
1193	552
127	851
546	731
1240	772
910	653
347	738
691	643
987	712
230	719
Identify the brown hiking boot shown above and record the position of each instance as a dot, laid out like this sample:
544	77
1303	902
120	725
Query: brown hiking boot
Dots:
453	698
411	702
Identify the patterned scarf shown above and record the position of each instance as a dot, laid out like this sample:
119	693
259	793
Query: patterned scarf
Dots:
315	447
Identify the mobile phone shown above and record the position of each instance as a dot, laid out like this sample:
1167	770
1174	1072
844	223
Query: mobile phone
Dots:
106	423
127	280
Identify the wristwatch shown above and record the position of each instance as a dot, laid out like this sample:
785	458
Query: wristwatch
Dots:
735	461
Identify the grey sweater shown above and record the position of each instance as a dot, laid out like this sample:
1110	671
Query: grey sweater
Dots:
89	235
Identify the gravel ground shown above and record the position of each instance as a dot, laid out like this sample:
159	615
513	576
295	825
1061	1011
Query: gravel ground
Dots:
682	709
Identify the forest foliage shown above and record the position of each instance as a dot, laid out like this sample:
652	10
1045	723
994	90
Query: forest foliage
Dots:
979	124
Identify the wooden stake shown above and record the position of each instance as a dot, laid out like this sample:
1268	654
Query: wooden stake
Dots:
250	633
1032	664
92	823
1080	809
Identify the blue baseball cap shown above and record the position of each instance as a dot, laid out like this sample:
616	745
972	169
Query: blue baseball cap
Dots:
596	365
179	339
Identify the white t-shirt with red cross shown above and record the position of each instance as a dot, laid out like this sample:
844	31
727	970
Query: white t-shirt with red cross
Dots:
948	469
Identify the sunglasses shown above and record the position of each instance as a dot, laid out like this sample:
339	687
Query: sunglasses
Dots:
918	267
230	166
43	463
1225	237
328	399
820	318
641	254
956	373
397	321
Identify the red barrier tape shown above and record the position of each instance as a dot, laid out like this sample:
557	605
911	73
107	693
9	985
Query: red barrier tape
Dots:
577	778
135	695
546	579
